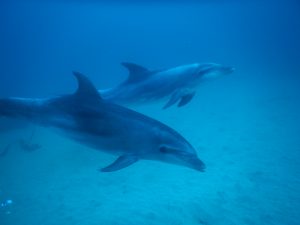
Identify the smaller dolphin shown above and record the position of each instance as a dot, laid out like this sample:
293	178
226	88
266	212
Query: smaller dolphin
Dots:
85	117
178	84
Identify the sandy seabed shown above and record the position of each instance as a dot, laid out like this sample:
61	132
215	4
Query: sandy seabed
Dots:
249	144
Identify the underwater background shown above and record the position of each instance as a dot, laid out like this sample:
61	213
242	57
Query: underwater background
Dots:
245	127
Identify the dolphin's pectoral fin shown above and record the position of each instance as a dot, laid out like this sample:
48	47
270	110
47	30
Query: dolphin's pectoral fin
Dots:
186	99
120	163
174	98
183	96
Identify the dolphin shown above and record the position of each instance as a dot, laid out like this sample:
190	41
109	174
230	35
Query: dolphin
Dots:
178	84
89	119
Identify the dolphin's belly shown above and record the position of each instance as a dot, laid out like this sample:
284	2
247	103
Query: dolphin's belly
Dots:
155	87
144	92
117	135
109	144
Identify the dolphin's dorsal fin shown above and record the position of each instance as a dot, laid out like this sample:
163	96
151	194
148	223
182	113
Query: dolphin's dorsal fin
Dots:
136	72
134	68
86	91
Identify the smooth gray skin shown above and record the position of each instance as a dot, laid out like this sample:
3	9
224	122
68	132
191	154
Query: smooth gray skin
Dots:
85	117
177	84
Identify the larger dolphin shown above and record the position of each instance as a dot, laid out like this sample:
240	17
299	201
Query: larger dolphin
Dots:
178	84
85	117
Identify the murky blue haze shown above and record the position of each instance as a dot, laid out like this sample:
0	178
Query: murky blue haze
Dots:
245	127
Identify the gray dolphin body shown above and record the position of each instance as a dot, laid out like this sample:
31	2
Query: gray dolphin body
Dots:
85	117
177	84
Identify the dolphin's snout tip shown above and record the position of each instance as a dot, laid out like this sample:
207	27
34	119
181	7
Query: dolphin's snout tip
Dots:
201	169
199	166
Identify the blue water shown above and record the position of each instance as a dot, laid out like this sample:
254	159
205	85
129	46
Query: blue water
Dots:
245	127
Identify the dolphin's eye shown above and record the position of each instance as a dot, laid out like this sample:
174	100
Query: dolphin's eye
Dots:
167	149
163	149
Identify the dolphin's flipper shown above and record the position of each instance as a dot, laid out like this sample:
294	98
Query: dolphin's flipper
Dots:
186	99
136	72
121	162
174	98
181	96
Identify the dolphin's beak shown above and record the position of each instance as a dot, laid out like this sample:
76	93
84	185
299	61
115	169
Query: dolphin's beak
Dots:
195	163
198	165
